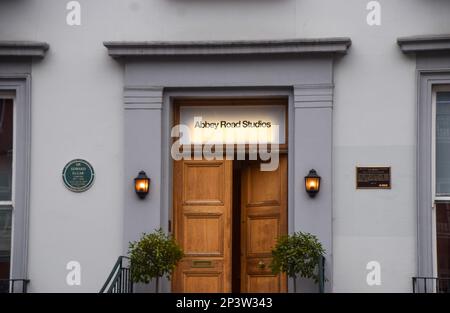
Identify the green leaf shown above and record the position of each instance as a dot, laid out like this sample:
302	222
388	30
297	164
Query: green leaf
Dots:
297	255
154	255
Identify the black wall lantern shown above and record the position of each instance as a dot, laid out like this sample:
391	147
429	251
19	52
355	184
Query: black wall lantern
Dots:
312	183
141	184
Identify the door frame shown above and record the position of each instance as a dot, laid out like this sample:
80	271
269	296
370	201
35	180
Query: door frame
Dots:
170	96
281	100
300	68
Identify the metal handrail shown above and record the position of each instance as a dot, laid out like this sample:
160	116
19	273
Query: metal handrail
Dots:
322	274
119	280
434	285
11	283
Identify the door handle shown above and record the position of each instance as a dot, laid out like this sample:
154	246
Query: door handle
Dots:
261	265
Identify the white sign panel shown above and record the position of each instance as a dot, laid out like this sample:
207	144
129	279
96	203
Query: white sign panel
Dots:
247	124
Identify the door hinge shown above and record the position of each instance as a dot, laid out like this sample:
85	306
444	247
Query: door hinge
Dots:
170	226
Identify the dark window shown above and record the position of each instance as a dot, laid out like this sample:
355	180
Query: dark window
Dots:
6	161
443	244
443	144
443	189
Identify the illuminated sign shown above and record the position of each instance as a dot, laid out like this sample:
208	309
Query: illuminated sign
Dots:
243	124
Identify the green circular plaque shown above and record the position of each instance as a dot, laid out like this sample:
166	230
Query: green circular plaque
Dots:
78	175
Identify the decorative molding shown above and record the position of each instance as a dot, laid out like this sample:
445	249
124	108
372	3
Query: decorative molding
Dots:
426	80
300	70
143	98
21	85
313	96
23	49
429	43
118	49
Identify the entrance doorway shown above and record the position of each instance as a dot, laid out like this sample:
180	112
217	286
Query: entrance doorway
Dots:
227	218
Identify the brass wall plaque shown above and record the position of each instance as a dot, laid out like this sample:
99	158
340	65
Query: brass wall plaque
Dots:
373	177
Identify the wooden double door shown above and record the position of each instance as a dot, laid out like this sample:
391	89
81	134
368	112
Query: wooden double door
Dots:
227	218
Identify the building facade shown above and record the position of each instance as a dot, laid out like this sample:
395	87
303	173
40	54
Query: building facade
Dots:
357	89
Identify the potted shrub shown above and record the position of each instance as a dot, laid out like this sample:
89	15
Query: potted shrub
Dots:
153	256
297	255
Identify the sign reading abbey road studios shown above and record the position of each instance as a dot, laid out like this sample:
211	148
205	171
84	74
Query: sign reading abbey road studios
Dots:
373	178
78	175
226	124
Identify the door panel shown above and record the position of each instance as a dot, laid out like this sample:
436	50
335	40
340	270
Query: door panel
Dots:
203	234
202	282
262	234
264	219
202	225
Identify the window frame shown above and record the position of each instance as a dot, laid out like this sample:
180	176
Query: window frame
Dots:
432	69
436	199
19	86
436	89
11	96
8	205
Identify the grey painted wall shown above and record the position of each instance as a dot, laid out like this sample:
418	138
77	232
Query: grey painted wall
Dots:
375	84
314	151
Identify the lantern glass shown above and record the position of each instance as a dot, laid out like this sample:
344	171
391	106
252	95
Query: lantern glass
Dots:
142	184
312	183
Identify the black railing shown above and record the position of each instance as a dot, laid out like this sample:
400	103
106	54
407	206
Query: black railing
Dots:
430	285
119	280
13	285
322	274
